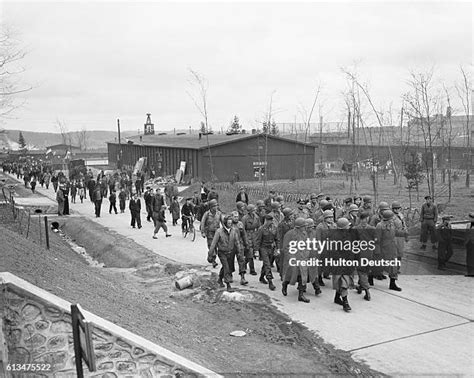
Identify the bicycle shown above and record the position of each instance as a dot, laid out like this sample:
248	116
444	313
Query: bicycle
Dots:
189	227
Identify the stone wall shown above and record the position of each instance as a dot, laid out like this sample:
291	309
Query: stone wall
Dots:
37	332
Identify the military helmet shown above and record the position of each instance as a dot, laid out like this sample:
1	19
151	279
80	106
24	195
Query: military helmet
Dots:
396	205
387	214
279	198
212	203
275	205
309	222
343	223
328	214
384	206
353	207
287	211
300	222
260	203
313	196
367	199
323	203
251	207
240	205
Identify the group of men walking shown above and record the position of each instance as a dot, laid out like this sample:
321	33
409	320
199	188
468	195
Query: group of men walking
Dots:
269	230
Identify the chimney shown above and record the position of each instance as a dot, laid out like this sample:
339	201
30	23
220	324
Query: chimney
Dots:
141	138
200	136
254	131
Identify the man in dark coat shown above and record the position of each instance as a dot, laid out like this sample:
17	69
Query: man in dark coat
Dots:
242	196
445	246
148	196
295	269
135	208
97	198
265	244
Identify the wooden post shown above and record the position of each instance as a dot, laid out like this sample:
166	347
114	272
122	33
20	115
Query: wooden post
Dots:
46	231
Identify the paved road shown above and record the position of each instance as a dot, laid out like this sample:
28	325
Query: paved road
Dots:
426	329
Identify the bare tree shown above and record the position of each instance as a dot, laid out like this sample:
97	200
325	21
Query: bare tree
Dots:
82	138
10	69
200	102
464	92
63	130
423	109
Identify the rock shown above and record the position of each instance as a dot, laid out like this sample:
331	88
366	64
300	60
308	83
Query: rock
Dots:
236	297
238	333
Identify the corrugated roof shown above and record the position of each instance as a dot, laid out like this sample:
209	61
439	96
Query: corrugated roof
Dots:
193	141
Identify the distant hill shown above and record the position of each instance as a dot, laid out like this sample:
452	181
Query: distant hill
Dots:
96	139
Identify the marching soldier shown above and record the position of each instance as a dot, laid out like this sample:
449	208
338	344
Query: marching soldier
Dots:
265	243
293	271
313	206
367	205
221	246
261	210
302	210
377	217
283	227
428	219
268	201
342	278
210	223
241	207
276	213
322	233
400	224
313	277
353	215
251	223
365	232
385	245
240	245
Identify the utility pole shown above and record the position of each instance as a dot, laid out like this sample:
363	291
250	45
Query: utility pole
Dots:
119	155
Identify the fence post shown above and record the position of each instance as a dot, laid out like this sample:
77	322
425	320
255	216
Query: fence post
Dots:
46	231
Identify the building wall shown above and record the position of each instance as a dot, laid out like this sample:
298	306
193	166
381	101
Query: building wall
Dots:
168	158
285	160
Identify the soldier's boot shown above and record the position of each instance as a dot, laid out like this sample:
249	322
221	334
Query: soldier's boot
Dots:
367	295
337	298
301	297
371	280
271	286
393	285
284	288
263	280
229	288
359	289
320	281
317	290
243	281
345	304
219	281
252	267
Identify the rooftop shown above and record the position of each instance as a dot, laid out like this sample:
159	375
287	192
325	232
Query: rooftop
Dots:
193	141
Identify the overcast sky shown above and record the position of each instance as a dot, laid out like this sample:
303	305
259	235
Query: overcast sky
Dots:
91	63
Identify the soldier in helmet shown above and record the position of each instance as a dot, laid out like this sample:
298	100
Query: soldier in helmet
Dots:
353	215
323	205
293	269
240	245
377	217
313	276
428	219
269	200
265	243
385	245
241	209
445	246
302	210
251	223
284	226
276	213
366	205
344	211
365	232
342	278
281	201
210	223
400	224
322	233
313	206
261	210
